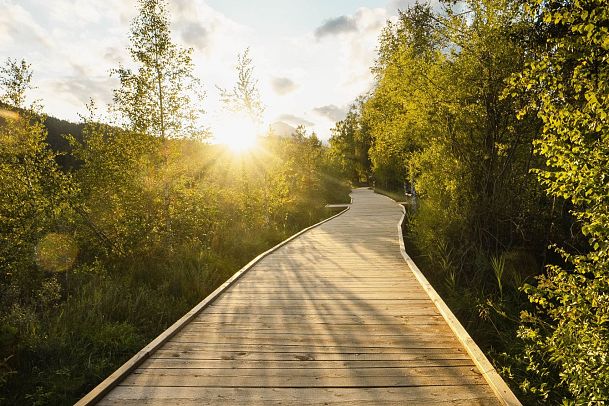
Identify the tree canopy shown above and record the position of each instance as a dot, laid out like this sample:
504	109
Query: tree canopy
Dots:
494	114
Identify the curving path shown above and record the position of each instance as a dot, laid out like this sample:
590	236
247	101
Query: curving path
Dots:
335	316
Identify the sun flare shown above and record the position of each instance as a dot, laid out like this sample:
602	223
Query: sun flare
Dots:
238	132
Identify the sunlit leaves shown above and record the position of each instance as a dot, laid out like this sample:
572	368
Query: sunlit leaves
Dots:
36	203
570	83
350	145
160	95
244	97
15	81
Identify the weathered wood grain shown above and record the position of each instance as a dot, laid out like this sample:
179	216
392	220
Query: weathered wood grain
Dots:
417	395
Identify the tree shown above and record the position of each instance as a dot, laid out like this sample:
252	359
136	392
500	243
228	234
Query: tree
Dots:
35	192
118	214
15	80
244	97
567	86
439	121
160	99
350	145
162	96
35	237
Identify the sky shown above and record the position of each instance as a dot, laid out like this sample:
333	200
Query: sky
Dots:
312	58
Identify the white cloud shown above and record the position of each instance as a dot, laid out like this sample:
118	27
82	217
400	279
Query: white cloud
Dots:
77	13
195	35
202	27
331	111
78	89
19	28
73	44
363	20
283	85
336	26
295	120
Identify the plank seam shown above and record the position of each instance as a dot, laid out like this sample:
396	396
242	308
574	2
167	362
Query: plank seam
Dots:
117	376
492	377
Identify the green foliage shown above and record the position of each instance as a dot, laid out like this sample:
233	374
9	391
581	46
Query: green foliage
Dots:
15	81
100	256
567	334
447	133
349	146
495	187
162	97
498	265
35	204
244	97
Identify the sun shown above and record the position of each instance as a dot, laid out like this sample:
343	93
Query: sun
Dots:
238	132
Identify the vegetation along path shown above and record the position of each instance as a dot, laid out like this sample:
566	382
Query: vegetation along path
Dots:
338	314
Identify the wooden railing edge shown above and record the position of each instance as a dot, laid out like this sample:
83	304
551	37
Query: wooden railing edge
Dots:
114	379
490	374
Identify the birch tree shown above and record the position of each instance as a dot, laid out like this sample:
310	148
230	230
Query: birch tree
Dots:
160	95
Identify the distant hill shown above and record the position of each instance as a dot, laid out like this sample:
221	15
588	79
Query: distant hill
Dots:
56	129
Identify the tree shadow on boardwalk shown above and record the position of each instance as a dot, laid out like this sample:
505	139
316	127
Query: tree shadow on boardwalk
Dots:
334	316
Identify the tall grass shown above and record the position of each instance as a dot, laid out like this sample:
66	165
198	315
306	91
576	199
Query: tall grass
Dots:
482	289
109	312
498	266
108	316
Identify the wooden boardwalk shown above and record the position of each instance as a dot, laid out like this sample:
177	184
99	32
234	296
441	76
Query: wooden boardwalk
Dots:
335	316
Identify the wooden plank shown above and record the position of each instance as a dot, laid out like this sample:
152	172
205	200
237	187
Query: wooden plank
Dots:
350	301
326	310
302	361
214	356
222	400
334	316
370	305
329	328
304	396
318	297
289	320
332	280
295	378
202	349
310	341
329	282
329	294
107	384
328	314
344	371
497	384
412	340
167	358
313	289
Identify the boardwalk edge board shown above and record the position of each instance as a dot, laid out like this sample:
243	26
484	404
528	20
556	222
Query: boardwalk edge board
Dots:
492	377
117	376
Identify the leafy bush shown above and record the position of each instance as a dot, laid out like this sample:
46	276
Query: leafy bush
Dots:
567	334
